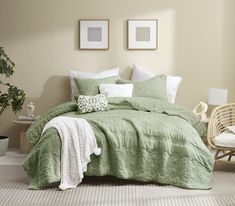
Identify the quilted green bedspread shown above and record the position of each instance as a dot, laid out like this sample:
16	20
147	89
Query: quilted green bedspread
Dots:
142	139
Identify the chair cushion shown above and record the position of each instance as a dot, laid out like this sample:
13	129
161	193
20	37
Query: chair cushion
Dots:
225	139
231	128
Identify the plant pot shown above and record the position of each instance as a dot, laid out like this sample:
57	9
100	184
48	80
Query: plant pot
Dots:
3	145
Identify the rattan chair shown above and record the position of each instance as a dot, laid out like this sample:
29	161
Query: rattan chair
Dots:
219	137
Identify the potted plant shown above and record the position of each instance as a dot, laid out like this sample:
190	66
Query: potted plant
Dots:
10	95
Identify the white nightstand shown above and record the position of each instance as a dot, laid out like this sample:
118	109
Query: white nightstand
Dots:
25	145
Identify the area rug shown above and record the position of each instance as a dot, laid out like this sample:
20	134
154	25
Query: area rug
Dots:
110	191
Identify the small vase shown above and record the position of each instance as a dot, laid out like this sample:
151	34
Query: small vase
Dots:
3	145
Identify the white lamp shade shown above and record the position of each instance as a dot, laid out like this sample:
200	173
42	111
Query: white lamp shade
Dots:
217	96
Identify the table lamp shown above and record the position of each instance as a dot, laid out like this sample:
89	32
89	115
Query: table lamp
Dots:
217	96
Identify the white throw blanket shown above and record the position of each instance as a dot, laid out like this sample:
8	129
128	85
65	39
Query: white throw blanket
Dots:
78	143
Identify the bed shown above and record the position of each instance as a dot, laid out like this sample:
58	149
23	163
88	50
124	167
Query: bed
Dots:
141	138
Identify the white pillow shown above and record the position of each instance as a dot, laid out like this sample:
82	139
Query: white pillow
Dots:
116	90
172	82
87	75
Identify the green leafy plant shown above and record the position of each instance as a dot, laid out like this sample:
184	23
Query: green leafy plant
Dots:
10	95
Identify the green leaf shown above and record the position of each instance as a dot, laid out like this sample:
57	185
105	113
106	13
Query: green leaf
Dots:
13	97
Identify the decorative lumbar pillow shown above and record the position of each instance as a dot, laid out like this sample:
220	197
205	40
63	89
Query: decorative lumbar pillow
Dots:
172	82
154	87
95	103
87	75
116	90
91	86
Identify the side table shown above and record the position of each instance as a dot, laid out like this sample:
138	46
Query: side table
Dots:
25	145
205	122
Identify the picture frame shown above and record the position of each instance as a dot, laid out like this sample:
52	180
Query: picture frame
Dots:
142	34
94	34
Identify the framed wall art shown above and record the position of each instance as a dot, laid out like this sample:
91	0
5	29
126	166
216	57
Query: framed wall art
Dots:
142	34
94	34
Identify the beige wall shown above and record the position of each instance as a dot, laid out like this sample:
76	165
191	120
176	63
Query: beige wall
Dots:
196	41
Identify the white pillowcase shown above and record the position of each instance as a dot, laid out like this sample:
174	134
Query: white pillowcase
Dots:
87	75
116	90
172	82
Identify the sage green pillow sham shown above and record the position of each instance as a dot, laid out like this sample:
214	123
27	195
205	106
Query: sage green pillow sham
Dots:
154	87
91	86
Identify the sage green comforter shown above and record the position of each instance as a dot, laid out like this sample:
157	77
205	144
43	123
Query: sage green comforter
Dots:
141	138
